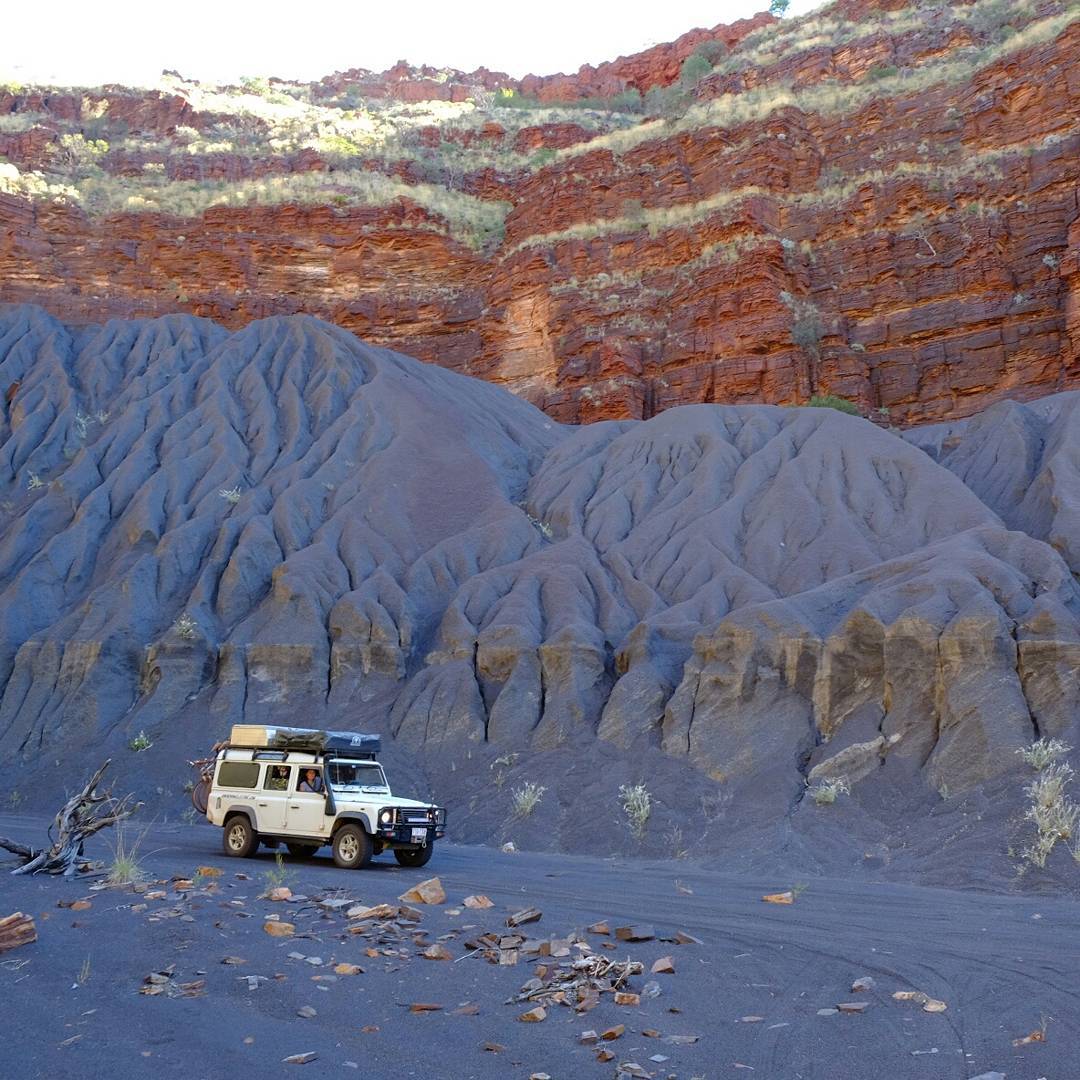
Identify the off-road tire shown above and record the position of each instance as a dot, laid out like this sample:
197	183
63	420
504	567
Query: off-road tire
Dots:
301	851
239	839
414	856
352	847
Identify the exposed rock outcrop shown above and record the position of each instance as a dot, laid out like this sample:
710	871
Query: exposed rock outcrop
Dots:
203	527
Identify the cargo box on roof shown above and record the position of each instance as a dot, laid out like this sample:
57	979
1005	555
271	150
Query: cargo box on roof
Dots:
312	740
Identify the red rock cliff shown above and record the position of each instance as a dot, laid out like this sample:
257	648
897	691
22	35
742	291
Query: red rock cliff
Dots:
878	204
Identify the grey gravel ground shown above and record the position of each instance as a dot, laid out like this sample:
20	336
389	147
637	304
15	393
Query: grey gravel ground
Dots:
1004	965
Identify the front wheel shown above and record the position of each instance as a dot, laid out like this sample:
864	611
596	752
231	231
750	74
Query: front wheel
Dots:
352	847
414	856
240	840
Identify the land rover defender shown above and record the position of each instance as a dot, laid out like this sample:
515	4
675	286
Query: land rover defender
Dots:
306	789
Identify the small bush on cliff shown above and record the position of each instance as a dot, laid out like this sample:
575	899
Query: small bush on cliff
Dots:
829	401
1044	752
526	798
1054	815
828	791
140	742
637	806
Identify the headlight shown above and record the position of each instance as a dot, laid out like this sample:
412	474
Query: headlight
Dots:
386	817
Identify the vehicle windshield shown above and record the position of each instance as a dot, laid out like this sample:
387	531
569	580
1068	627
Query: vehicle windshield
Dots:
357	776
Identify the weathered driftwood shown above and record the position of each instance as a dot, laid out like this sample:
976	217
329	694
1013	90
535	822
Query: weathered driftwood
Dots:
82	815
16	930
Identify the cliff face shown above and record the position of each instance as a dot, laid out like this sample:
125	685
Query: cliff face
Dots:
877	204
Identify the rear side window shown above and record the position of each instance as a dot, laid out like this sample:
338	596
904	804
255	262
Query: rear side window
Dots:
238	774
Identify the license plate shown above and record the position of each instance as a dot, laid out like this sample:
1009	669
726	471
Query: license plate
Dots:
419	835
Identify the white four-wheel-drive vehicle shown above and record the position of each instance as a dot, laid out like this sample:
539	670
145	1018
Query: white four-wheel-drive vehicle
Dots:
307	788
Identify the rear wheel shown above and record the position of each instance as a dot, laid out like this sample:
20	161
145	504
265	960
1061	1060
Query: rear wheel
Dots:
239	840
414	856
352	847
301	851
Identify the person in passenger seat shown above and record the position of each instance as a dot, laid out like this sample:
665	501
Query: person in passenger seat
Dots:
311	782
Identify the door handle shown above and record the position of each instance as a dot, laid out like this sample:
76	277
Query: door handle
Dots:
263	804
294	806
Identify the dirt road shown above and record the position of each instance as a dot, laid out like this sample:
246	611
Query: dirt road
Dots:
752	991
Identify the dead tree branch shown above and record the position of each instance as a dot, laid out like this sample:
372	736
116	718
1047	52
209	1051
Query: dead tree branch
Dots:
83	815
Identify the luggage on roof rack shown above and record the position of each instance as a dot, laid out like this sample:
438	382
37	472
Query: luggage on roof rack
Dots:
309	740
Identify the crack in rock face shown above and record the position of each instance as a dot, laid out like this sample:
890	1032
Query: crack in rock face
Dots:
283	524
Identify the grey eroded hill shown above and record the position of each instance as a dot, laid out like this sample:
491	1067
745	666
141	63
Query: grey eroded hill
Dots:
283	524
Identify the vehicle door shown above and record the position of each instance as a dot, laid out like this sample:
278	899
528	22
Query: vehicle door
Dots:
306	814
272	804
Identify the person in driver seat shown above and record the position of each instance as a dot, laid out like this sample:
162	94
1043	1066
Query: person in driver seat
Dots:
311	782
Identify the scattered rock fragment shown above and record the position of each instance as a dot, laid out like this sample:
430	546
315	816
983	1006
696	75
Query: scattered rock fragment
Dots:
307	1012
379	911
478	901
526	915
779	897
1039	1035
16	930
427	892
348	969
613	1033
599	928
437	952
300	1059
866	983
929	1004
534	1016
588	1037
423	1007
635	933
683	938
851	1006
279	929
664	966
624	997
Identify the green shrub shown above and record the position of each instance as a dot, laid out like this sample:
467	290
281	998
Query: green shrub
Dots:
829	401
694	68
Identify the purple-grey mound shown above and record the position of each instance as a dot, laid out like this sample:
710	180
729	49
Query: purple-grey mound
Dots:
725	603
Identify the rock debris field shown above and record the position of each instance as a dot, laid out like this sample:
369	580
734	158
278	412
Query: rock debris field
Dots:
723	603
